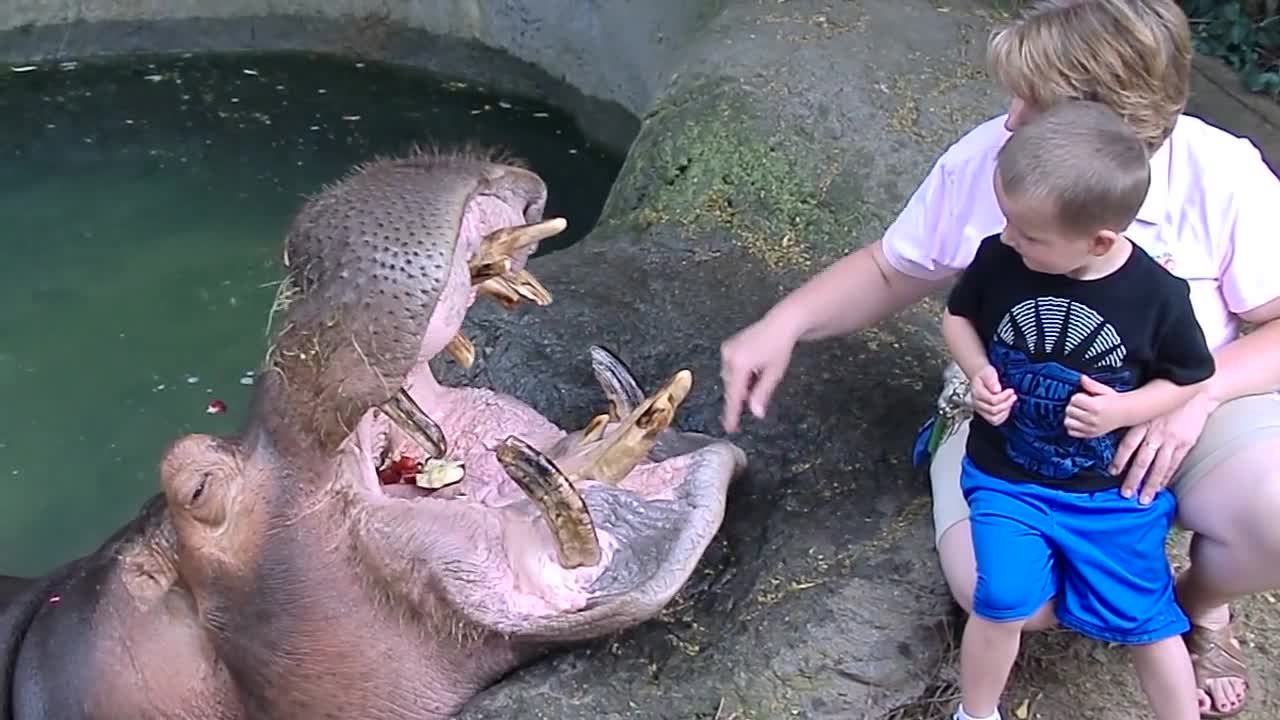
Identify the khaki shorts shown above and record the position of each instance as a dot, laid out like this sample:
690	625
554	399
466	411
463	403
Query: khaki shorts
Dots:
1235	424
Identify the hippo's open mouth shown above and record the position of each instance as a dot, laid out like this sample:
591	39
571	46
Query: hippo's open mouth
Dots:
472	502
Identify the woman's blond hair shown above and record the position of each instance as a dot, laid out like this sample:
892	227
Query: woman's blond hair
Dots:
1132	55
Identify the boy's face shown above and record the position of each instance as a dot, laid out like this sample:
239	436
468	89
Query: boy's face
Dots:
1032	230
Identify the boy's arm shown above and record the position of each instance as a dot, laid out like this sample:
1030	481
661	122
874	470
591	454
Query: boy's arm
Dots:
1156	398
964	303
964	344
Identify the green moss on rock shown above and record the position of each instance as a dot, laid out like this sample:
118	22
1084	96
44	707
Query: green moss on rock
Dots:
703	161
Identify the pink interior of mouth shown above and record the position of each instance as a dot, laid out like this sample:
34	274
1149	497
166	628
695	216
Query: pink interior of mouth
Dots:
521	559
474	421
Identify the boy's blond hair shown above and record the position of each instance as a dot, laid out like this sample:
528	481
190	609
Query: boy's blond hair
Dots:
1131	55
1083	161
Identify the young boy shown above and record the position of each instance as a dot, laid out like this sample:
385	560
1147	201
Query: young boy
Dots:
1069	333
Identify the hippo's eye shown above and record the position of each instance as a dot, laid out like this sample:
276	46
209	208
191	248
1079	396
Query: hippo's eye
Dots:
199	491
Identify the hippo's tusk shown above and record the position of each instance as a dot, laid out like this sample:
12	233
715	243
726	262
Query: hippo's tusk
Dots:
405	412
491	266
623	447
509	289
615	378
561	505
529	288
505	242
499	290
482	271
493	258
461	350
595	429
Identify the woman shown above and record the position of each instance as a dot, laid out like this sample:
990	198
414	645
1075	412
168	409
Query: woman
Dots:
1208	216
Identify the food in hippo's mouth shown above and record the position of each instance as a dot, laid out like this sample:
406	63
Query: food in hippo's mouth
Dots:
433	474
401	470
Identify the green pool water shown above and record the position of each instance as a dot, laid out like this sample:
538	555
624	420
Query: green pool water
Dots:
142	207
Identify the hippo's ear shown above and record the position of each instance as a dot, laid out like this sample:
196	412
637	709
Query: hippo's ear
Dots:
199	474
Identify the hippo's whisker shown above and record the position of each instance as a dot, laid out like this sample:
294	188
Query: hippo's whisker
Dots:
386	386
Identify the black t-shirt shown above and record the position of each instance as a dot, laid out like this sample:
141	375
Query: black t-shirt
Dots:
1041	331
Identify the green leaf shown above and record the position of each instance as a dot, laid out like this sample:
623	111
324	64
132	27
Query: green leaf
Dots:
1254	79
1239	31
1226	29
1271	83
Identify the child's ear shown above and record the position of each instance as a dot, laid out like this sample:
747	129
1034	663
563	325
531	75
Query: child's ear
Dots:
1103	242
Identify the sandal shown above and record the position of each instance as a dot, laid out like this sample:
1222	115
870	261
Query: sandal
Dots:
1215	656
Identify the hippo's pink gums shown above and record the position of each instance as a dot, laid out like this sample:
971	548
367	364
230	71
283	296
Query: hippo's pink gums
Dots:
375	544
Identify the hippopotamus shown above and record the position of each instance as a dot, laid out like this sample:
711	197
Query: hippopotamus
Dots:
372	543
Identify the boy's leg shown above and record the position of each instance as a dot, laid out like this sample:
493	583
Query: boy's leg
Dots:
1015	577
1164	671
1118	587
952	532
987	653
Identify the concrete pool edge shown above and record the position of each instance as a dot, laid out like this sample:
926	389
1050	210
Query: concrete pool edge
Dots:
496	69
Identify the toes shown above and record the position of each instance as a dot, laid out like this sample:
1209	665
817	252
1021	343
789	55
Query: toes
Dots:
1227	693
1238	689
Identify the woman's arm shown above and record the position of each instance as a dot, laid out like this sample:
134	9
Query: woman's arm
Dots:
852	294
1250	364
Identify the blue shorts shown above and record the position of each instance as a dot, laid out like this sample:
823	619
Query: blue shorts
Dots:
1100	554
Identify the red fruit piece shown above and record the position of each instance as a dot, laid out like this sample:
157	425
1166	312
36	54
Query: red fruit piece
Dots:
402	470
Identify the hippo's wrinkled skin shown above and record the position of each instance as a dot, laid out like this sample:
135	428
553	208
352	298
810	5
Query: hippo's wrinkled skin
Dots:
276	577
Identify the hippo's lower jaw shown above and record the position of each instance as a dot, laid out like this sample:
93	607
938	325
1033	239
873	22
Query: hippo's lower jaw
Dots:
517	547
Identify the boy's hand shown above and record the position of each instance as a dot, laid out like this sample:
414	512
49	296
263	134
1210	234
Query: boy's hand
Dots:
1094	410
989	400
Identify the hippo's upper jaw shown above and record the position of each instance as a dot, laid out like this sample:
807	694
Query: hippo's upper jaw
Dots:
381	517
